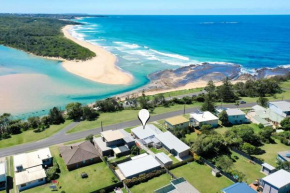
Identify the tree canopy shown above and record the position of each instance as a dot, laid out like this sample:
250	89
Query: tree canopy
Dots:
41	36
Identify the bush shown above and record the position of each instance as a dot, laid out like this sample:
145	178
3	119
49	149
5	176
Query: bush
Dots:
143	178
261	126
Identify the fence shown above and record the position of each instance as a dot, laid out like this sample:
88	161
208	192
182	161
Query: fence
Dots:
110	166
110	188
257	161
223	173
126	188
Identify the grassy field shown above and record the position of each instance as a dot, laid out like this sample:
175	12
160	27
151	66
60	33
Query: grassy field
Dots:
122	116
31	136
179	92
191	137
151	185
271	152
99	176
252	171
222	130
201	178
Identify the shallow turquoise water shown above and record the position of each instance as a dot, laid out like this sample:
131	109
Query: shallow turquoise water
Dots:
145	44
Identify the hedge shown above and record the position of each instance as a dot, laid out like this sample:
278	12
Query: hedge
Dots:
178	164
143	178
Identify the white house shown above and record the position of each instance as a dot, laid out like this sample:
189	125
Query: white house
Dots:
236	116
3	177
278	182
280	107
29	170
203	118
174	145
30	178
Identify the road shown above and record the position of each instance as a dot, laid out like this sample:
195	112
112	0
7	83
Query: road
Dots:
62	136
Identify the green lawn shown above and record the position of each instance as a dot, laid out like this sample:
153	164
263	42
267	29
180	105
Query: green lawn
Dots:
222	130
151	185
271	152
154	150
201	178
99	176
191	137
122	116
252	171
31	136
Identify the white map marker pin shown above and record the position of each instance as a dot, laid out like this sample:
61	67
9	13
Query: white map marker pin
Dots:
144	116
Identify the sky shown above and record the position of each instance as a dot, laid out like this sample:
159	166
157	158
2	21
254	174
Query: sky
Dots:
148	7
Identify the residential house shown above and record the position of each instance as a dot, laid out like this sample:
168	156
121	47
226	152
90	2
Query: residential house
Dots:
198	119
179	122
282	108
141	164
3	177
284	156
147	135
268	169
267	117
278	182
76	156
29	170
179	185
110	143
164	159
236	116
173	145
239	187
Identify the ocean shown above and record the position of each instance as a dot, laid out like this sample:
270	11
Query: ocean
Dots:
143	45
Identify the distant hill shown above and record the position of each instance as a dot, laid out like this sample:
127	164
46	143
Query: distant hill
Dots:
55	16
41	36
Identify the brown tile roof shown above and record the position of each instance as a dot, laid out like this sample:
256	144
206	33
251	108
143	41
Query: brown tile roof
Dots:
77	153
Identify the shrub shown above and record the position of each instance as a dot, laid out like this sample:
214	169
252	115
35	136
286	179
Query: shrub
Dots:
178	164
261	126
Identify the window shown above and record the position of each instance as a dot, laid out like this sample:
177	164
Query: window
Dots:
40	180
84	161
23	185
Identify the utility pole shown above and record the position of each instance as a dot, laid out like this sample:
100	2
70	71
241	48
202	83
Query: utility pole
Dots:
102	126
184	109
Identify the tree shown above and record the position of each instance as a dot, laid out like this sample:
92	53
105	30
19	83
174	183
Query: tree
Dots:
286	124
55	116
209	145
266	134
224	163
249	149
208	104
285	165
240	176
224	118
109	105
144	101
90	138
210	88
89	113
34	122
262	101
74	111
226	91
45	121
135	150
237	103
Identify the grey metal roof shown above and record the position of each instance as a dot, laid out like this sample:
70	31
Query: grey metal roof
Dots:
101	144
234	112
172	142
278	179
149	131
268	166
284	155
283	105
163	158
123	149
138	166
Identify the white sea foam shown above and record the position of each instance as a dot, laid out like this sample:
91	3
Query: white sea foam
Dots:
171	55
285	66
248	71
127	45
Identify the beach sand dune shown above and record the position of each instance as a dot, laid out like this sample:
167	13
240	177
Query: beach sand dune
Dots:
101	68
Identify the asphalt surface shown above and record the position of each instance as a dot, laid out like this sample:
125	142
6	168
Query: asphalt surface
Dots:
62	136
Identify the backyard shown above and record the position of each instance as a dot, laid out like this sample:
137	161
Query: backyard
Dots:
251	170
151	185
271	150
31	135
122	116
201	178
99	174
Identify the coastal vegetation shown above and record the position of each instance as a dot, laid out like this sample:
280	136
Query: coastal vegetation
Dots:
41	36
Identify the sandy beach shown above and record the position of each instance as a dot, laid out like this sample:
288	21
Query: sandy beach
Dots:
101	68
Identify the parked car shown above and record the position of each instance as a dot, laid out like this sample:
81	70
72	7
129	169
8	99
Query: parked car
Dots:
243	102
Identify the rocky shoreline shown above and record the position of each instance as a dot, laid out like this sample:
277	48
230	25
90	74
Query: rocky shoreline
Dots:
170	79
